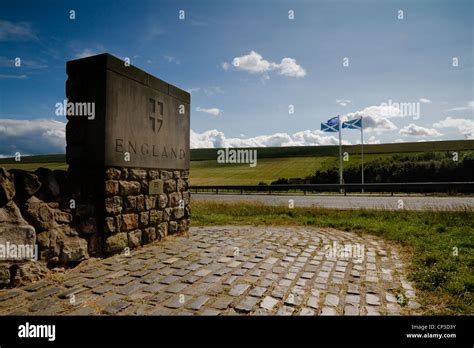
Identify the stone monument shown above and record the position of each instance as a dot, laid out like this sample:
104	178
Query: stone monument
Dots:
129	161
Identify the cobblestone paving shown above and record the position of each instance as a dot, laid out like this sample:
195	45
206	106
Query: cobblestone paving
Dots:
229	270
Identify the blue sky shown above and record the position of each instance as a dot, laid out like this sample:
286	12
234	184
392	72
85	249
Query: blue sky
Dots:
281	62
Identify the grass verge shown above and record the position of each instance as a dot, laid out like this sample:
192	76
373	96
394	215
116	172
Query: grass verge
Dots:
439	243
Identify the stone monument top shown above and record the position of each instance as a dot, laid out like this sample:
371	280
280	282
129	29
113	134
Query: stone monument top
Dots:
140	121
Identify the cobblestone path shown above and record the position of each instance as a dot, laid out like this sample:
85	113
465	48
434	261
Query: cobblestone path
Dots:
230	270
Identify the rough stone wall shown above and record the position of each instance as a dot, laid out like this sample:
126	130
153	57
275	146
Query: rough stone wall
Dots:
74	215
137	215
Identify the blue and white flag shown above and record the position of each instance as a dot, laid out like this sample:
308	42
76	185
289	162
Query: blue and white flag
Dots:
332	125
353	124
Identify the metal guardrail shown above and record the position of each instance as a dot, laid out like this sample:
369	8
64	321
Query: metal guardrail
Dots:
406	187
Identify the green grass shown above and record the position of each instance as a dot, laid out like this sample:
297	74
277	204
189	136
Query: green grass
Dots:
445	282
34	166
273	162
267	170
32	163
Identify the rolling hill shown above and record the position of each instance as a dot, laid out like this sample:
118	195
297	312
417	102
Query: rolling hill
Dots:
273	162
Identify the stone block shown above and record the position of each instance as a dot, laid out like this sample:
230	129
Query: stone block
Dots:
111	188
156	217
129	188
116	242
155	187
162	201
113	205
135	238
170	185
149	234
129	222
112	173
39	214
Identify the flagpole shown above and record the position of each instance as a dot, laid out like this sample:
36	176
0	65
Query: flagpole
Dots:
362	149
340	152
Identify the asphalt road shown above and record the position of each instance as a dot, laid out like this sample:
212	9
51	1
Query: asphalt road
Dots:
350	202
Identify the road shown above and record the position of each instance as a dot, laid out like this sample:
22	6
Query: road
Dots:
350	202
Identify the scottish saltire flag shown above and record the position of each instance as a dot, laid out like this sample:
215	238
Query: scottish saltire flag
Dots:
332	125
333	121
353	124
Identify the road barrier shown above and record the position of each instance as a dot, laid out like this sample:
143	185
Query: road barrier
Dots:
404	187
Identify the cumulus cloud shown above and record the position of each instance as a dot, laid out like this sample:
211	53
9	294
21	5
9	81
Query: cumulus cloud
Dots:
211	111
464	126
214	139
424	101
21	31
254	63
376	118
418	131
372	140
39	136
289	67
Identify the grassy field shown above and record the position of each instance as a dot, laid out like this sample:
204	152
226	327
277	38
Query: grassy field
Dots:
267	170
445	282
273	162
209	172
34	162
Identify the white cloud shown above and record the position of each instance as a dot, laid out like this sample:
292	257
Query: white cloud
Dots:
288	67
372	140
225	66
194	89
469	105
214	138
7	76
211	90
86	52
376	118
464	126
211	111
425	101
343	102
418	131
38	136
171	59
254	63
21	31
